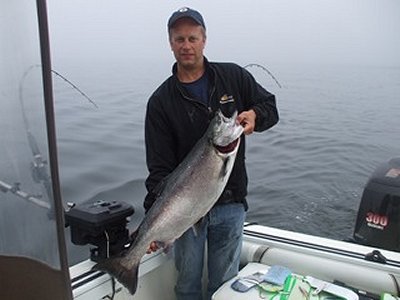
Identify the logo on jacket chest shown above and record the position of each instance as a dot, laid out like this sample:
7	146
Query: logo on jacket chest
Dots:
226	99
227	105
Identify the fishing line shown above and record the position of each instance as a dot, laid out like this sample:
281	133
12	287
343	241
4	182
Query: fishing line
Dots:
265	70
74	86
107	243
108	256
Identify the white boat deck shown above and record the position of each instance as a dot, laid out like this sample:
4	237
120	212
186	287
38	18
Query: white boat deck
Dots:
321	258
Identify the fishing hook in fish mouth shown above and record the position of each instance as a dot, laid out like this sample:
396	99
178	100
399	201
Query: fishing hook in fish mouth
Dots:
228	148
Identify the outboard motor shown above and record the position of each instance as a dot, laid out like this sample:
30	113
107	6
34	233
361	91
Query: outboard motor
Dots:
378	220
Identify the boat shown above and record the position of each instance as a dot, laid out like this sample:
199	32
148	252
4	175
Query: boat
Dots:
34	252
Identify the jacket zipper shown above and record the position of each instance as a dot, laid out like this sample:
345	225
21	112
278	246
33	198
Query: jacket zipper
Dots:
201	104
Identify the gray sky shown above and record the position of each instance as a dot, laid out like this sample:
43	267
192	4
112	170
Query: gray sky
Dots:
365	32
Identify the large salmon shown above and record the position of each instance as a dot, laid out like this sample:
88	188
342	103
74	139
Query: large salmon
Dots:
187	194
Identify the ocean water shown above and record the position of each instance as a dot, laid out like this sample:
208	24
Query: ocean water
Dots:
307	174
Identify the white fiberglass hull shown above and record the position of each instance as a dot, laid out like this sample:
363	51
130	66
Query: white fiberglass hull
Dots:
304	254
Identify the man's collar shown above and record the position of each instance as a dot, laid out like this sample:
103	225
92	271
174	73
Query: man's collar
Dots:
175	66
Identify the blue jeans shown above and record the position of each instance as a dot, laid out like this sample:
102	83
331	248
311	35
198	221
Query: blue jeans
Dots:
222	228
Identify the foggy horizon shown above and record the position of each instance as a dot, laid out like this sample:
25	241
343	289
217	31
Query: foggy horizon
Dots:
272	32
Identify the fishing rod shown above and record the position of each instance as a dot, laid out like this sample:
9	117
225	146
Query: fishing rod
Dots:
265	70
39	165
16	190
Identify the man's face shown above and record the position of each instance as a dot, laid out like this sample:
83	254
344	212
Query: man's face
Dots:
187	40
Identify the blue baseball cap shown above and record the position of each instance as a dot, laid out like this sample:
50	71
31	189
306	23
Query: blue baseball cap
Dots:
186	12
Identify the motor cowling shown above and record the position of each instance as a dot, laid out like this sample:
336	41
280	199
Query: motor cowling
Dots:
378	220
102	224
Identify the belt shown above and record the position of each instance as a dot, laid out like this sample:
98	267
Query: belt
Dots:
227	197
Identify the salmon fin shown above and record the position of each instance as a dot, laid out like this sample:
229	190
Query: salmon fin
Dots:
161	186
128	277
197	227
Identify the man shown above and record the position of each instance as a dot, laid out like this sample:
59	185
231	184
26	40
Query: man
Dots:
178	114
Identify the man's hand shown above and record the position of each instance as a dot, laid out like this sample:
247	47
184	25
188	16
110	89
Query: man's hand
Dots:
248	120
153	247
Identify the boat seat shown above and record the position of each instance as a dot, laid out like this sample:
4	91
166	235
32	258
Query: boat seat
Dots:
25	278
295	288
226	292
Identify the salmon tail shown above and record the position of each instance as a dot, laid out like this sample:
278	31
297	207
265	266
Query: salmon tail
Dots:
128	277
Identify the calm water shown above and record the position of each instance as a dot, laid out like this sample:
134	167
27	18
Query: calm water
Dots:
306	174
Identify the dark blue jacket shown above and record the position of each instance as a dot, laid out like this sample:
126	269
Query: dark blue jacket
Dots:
175	121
